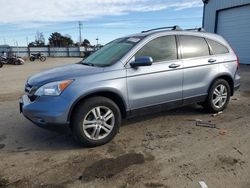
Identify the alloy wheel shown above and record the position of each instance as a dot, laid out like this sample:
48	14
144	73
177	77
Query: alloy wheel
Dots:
220	96
98	123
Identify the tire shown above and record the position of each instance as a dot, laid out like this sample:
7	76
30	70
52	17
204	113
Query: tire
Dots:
218	96
86	115
42	58
1	64
32	59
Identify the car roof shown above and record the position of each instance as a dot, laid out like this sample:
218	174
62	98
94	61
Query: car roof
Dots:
181	32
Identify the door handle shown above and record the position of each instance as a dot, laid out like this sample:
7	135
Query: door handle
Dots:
173	66
212	60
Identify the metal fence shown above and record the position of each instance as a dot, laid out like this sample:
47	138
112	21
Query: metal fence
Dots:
46	51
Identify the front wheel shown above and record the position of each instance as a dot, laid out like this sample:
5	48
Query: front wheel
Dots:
96	121
42	58
218	96
1	64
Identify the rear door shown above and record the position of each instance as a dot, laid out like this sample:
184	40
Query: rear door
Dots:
162	81
199	67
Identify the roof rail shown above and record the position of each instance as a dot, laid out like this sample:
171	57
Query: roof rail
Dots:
199	29
176	27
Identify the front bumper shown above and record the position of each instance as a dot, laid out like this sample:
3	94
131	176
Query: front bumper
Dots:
45	110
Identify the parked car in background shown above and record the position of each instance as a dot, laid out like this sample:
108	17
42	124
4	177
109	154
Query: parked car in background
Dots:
152	71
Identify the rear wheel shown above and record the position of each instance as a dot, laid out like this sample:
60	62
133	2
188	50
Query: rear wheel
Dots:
96	121
32	59
1	64
42	58
218	96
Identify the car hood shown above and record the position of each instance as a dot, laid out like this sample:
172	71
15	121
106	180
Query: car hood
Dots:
63	73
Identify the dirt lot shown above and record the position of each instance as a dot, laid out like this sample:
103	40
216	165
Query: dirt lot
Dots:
163	150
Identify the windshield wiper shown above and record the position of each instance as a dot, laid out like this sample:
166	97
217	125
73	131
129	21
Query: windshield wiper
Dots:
88	64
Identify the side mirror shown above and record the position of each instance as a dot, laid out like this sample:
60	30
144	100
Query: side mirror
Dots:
142	61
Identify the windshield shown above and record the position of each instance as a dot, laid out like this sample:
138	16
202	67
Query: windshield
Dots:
112	52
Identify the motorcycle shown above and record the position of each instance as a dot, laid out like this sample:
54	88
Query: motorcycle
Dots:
40	56
13	60
2	61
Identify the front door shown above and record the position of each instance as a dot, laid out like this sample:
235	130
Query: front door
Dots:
162	81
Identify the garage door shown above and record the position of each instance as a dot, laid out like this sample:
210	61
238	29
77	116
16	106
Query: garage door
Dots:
234	25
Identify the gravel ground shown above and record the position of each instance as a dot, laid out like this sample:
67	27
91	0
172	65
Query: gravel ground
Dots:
162	150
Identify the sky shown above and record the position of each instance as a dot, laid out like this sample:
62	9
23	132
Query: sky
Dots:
102	19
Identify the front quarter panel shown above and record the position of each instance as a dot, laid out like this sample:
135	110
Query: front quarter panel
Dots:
107	81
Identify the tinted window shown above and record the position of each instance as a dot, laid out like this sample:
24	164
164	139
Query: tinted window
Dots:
217	48
193	46
160	49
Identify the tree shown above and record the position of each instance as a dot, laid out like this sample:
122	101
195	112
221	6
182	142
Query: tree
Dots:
32	44
58	40
86	44
97	47
39	40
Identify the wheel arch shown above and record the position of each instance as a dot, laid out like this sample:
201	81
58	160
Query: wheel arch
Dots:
226	77
120	102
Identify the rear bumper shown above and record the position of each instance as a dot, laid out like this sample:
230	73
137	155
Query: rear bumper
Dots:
237	87
44	112
236	81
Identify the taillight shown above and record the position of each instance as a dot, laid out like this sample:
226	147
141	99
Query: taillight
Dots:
237	60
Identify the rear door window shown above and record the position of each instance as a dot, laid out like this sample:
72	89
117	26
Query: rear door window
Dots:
193	46
217	48
160	49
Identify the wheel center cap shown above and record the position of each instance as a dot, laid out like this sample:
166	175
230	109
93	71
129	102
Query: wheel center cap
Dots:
100	121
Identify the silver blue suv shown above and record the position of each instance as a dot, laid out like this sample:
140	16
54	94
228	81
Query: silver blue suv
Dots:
148	72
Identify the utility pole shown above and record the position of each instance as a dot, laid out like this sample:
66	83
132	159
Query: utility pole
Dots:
80	32
97	39
17	48
27	40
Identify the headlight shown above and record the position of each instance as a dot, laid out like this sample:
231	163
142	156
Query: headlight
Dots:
53	88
